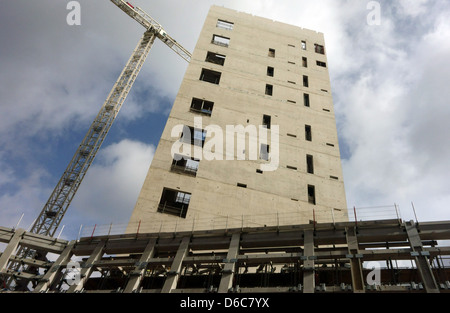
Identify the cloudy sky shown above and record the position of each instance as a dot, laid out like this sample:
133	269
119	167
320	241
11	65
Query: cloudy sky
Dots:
389	81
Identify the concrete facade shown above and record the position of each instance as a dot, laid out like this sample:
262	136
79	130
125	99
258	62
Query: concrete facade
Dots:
243	54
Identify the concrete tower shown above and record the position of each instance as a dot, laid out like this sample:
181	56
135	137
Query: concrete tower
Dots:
251	138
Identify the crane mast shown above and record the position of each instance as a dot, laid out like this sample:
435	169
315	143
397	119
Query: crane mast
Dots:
56	206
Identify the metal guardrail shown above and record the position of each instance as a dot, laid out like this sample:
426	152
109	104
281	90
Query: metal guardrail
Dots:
243	221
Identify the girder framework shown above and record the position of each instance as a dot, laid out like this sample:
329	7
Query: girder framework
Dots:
299	258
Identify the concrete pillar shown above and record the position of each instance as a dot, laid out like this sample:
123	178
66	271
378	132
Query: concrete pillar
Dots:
139	270
47	280
87	269
174	273
422	262
226	281
308	263
9	250
355	261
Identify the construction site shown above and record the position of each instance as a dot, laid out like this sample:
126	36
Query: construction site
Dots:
291	233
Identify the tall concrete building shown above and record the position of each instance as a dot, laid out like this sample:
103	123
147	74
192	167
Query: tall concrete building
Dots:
251	138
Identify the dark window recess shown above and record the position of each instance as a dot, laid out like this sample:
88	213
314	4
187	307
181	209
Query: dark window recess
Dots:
291	167
305	81
309	164
322	64
304	62
326	110
264	152
269	90
215	58
311	194
185	165
241	185
220	41
291	101
194	136
330	144
202	106
308	133
225	25
174	202
319	49
306	100
334	177
271	53
270	71
209	76
259	171
266	121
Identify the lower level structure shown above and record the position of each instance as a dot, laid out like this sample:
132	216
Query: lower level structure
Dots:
370	256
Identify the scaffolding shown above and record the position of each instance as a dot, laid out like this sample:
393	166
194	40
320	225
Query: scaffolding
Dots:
343	257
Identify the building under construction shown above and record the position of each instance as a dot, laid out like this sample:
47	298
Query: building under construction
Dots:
269	215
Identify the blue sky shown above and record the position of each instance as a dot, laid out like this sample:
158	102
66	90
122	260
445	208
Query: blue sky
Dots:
389	84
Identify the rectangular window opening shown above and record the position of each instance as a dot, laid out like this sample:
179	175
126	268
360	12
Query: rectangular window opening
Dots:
334	177
291	167
270	71
264	152
322	64
305	81
309	164
269	90
259	171
291	101
202	106
193	136
225	24
319	49
308	133
185	165
220	41
174	202
271	53
303	45
209	76
311	194
266	121
330	144
215	58
306	100
304	62
241	185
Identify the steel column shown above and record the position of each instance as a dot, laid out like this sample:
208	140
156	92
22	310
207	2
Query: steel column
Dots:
174	273
46	282
355	261
308	263
9	250
226	282
423	265
139	270
87	269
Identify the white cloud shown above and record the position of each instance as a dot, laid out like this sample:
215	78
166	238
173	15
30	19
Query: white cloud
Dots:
111	186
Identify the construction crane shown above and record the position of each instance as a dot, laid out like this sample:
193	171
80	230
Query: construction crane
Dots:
55	208
51	215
